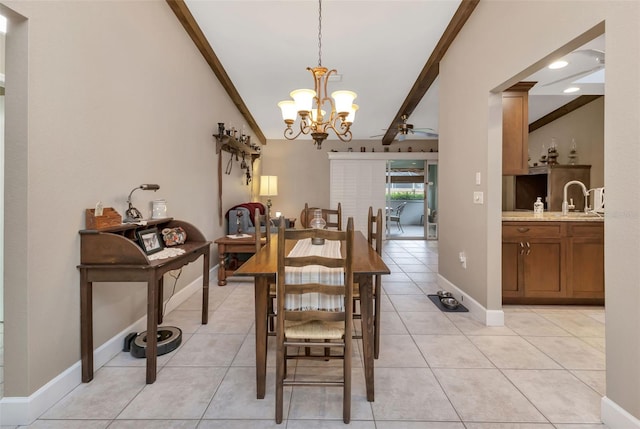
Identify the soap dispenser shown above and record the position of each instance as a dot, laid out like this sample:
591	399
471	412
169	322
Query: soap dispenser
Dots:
538	207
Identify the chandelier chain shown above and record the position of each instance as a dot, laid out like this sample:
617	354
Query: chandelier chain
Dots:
319	33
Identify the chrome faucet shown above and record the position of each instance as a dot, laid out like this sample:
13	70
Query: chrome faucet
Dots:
565	204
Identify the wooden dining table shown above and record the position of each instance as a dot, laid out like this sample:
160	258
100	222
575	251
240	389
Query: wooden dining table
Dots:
263	267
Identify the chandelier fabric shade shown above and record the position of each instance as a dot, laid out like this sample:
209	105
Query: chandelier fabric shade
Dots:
317	112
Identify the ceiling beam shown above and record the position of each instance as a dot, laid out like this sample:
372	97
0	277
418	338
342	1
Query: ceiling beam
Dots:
563	110
189	23
432	68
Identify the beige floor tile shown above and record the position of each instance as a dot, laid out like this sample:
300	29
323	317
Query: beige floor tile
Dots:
558	394
509	426
405	259
451	351
486	395
398	351
597	380
236	397
417	302
64	424
178	393
532	324
512	352
597	343
418	425
239	424
392	324
393	403
228	322
396	276
570	352
103	398
401	288
427	277
577	323
424	323
320	402
415	268
154	424
330	424
469	326
189	321
207	350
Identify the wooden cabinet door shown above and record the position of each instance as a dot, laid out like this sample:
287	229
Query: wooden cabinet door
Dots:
585	260
542	272
511	278
515	129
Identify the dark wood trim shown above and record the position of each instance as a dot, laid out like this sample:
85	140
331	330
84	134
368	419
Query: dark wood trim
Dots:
431	68
561	111
193	29
523	86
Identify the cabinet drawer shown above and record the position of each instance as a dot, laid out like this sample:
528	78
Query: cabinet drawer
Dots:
586	229
531	229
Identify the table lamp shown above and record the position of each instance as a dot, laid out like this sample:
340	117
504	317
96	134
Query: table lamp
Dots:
269	188
132	213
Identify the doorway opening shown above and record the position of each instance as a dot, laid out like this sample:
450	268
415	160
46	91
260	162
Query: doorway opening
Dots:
411	199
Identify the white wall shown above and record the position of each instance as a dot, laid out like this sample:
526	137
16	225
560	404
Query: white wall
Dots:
502	43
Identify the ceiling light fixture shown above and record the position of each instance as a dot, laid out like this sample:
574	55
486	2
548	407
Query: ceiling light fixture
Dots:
310	104
571	89
558	64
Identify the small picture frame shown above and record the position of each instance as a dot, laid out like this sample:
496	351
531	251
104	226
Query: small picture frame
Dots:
150	240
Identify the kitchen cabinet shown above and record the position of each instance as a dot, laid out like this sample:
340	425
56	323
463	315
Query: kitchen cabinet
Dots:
552	262
585	260
532	260
515	129
547	181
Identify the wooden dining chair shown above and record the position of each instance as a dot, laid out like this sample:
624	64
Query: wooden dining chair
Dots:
374	237
333	217
314	306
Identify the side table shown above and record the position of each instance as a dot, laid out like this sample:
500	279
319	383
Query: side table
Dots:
227	246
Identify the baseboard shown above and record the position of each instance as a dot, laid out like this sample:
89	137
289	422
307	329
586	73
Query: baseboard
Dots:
16	411
616	417
476	310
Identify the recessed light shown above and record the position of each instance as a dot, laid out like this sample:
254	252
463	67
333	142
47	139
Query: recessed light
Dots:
558	64
571	89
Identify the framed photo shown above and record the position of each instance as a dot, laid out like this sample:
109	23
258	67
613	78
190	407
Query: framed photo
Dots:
150	240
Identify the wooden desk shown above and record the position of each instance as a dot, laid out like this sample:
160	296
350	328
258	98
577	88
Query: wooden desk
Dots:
226	246
264	265
112	255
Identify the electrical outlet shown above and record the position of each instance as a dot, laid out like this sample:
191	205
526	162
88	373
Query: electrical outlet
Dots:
478	197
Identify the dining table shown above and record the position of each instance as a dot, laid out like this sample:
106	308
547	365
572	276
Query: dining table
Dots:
263	266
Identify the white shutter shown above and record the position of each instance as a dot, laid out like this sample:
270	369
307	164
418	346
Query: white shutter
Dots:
357	184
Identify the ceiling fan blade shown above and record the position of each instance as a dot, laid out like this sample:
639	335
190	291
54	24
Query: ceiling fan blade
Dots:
426	134
582	73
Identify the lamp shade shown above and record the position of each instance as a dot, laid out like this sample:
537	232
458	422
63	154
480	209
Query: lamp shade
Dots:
268	186
289	112
303	99
343	100
352	113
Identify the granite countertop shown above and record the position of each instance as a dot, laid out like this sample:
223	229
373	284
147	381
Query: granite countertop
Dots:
526	216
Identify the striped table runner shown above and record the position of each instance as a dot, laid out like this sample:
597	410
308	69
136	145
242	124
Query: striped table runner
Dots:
315	274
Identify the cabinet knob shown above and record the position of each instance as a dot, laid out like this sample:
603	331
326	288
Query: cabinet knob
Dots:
523	229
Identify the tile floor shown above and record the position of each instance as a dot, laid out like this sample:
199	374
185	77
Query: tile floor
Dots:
544	369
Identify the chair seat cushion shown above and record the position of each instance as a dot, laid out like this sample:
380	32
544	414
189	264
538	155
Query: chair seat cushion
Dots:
314	330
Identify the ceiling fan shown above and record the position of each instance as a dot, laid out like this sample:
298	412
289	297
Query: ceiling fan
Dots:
598	57
405	129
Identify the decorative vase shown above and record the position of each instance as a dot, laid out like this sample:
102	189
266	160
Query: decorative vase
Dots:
317	223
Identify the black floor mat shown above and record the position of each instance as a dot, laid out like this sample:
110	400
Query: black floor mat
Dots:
436	300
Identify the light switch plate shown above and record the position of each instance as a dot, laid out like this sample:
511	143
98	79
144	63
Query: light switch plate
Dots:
478	197
478	178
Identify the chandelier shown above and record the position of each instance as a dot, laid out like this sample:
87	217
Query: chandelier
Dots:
312	105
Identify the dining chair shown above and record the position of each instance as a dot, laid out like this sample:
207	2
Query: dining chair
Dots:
374	237
395	216
333	217
314	306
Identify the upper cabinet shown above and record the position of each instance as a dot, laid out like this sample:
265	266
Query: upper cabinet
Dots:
515	129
